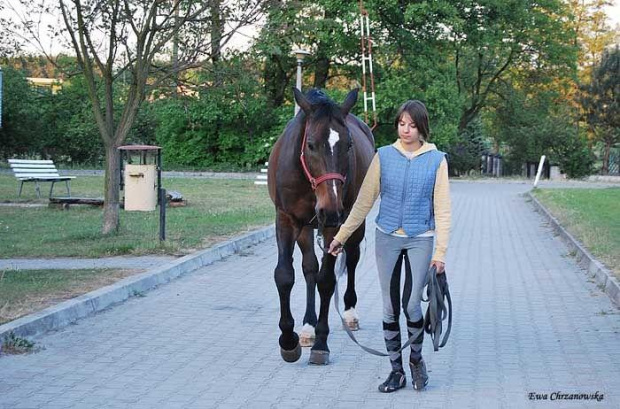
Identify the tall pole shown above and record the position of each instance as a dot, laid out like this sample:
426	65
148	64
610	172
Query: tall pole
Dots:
300	54
0	97
298	85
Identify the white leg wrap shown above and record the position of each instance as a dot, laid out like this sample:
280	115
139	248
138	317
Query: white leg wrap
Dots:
352	319
307	336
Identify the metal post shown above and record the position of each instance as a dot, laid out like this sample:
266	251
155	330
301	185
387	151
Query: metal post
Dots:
298	84
162	214
1	82
540	168
162	200
300	54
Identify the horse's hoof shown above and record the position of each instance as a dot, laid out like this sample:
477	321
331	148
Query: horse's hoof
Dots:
307	336
319	357
292	355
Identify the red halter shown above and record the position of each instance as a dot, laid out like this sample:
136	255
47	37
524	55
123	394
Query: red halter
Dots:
315	182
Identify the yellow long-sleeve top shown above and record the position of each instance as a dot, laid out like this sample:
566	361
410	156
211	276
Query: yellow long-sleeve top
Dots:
371	188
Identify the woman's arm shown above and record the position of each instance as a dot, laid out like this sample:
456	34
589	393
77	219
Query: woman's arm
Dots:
441	200
365	200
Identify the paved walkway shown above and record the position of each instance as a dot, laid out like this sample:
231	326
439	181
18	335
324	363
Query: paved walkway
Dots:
527	320
70	263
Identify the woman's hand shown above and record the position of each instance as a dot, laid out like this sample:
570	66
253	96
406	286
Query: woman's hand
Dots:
335	248
439	265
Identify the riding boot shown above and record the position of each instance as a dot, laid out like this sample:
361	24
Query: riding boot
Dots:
416	329
391	333
416	363
396	379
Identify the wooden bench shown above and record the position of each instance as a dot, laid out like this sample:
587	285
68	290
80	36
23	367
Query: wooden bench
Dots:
38	171
65	202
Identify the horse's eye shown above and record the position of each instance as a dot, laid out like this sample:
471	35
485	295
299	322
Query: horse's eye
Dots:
310	146
349	145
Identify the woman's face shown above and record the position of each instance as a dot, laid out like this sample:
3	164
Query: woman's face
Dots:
407	130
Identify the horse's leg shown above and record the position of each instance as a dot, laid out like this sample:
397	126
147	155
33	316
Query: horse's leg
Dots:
326	280
310	266
352	249
284	276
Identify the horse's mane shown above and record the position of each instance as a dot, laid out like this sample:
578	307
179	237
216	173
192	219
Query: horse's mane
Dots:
322	104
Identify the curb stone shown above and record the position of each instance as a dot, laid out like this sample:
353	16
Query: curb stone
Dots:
67	312
585	260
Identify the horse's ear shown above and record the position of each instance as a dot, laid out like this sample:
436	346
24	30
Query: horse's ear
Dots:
302	101
349	101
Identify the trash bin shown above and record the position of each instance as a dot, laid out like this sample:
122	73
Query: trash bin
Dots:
140	176
140	187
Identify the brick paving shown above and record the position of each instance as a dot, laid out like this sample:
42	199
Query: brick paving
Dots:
527	320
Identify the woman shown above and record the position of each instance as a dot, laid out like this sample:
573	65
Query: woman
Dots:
411	176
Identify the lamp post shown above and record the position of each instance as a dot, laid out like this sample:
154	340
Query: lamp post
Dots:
0	97
300	54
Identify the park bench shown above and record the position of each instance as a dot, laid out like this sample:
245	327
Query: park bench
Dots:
38	171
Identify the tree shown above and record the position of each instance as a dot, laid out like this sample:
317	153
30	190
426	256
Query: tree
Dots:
9	44
601	102
592	33
99	31
493	38
22	109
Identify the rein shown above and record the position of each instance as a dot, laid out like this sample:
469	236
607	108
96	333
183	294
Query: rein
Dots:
314	182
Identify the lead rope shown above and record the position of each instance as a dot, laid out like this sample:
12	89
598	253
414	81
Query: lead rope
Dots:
434	324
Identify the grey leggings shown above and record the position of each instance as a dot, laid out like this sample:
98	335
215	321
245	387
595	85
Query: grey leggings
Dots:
387	251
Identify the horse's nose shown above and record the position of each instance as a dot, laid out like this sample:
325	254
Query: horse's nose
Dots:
330	218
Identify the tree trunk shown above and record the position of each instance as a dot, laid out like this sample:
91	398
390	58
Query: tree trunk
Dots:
276	80
466	117
217	32
321	72
606	154
111	190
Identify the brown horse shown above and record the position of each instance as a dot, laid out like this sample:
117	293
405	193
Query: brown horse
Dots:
316	169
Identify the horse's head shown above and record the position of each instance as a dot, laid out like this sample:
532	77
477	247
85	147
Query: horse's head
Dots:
326	151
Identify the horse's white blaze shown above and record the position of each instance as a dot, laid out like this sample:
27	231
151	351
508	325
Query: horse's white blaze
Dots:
333	138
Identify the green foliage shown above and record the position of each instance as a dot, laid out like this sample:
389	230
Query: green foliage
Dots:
601	102
505	62
573	155
14	345
534	125
231	125
464	153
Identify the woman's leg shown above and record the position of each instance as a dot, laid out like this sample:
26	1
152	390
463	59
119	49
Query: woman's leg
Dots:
387	252
419	252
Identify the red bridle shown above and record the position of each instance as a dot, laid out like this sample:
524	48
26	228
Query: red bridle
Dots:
315	182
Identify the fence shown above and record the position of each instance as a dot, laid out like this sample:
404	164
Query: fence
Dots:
491	165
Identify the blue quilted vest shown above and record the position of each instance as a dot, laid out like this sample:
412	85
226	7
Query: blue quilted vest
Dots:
407	187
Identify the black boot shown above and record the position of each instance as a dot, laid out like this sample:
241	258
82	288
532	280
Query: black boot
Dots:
395	381
419	375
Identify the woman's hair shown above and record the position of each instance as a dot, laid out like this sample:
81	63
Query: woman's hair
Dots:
418	113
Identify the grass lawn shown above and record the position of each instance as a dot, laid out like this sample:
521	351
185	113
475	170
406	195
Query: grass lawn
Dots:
25	291
217	210
592	216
